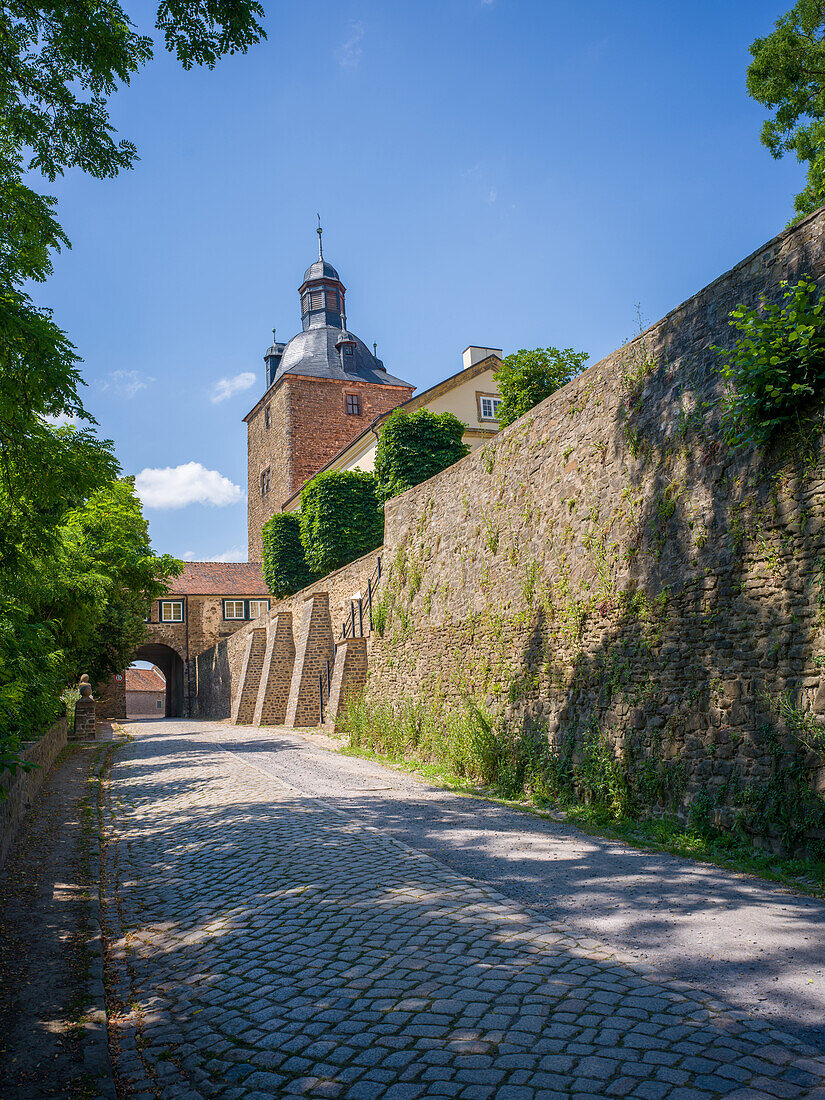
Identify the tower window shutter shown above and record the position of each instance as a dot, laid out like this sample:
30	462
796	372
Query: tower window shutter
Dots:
316	299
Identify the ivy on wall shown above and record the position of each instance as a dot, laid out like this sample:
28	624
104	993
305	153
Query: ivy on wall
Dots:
284	563
413	447
340	520
775	372
588	708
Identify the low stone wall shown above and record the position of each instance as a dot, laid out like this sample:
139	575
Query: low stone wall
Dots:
218	670
608	571
20	789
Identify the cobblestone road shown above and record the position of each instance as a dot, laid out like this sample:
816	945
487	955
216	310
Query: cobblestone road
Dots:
261	943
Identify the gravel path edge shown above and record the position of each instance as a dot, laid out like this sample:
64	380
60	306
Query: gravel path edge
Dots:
96	1056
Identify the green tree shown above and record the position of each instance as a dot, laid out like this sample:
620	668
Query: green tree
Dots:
69	592
526	377
787	75
78	606
59	62
284	563
415	446
341	519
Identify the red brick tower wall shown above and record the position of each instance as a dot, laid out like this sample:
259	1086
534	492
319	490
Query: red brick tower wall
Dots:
319	425
266	448
309	425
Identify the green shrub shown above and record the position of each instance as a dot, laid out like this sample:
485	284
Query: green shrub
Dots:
284	563
508	756
341	519
526	377
415	446
775	372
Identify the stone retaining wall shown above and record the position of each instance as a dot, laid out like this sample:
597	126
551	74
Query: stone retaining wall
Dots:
218	671
610	571
20	789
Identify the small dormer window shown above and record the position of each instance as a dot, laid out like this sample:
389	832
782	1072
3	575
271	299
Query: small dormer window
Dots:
348	349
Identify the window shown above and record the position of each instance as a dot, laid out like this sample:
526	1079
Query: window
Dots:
353	404
159	704
316	299
171	611
488	404
267	416
348	349
332	300
265	481
241	610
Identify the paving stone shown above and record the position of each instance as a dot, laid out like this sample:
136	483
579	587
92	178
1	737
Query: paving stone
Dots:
276	968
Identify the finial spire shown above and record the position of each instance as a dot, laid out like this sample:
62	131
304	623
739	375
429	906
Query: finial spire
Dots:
320	231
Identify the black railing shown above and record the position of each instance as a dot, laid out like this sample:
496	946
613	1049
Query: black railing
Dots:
323	688
353	625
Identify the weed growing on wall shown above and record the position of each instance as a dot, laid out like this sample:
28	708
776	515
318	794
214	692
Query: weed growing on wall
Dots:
775	372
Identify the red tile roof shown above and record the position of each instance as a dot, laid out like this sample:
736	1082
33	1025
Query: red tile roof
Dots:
144	679
219	578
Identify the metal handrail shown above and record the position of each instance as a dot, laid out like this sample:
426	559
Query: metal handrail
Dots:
321	688
356	608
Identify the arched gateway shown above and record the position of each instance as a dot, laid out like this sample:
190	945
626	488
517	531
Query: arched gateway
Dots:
170	663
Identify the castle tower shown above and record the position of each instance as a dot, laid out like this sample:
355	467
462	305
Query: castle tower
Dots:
324	387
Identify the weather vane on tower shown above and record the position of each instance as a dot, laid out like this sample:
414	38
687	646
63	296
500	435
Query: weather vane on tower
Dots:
320	231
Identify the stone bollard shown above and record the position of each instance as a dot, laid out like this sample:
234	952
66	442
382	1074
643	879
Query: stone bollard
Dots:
84	712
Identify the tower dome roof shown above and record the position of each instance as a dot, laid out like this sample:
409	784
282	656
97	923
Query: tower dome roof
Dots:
321	270
316	353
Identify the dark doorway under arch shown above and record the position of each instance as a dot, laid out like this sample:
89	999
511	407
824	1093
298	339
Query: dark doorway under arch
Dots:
170	664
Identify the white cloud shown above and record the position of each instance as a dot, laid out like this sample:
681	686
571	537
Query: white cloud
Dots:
225	388
124	383
349	52
236	553
189	483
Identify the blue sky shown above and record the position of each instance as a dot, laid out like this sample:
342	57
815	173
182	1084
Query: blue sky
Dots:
508	173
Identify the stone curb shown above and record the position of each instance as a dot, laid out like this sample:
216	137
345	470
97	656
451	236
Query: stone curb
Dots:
96	1056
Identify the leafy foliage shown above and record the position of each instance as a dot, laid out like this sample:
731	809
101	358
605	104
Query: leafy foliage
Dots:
787	75
415	446
78	606
76	568
284	562
526	377
341	519
775	372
